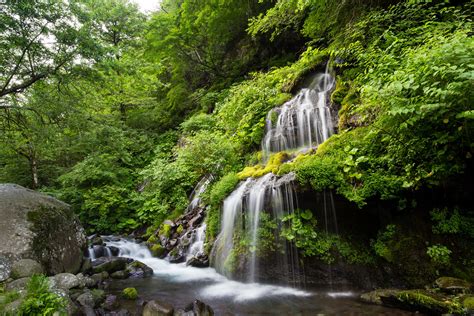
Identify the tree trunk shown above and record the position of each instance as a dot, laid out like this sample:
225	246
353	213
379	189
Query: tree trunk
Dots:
34	173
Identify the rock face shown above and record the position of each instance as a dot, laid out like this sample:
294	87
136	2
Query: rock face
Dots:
39	227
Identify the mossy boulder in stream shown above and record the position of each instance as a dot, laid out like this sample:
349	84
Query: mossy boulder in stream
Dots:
39	227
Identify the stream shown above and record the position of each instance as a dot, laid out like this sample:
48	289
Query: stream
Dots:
179	285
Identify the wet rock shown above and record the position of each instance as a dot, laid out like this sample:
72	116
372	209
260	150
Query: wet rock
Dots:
119	275
85	281
173	242
88	311
99	277
86	300
86	266
419	300
157	250
65	281
5	269
98	296
138	269
199	261
114	250
453	285
110	264
199	308
39	227
177	258
377	296
25	268
110	303
157	308
97	240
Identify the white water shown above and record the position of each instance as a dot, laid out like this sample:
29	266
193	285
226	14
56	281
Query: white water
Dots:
273	196
215	285
224	243
197	247
303	122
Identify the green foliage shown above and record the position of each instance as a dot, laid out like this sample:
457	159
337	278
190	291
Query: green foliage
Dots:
439	254
130	293
242	114
218	192
40	300
273	165
452	222
301	231
381	245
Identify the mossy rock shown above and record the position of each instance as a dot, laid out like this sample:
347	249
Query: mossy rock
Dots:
468	303
40	227
130	293
157	250
429	303
453	285
273	165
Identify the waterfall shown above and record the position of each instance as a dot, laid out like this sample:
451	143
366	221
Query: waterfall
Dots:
197	246
224	244
303	122
243	220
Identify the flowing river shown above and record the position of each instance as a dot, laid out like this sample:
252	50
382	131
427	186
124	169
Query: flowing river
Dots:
179	285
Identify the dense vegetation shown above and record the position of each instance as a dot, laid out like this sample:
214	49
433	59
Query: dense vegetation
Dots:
123	113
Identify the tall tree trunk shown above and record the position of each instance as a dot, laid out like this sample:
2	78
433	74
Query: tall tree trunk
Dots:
34	173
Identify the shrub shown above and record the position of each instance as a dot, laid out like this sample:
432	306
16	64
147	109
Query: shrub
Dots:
40	300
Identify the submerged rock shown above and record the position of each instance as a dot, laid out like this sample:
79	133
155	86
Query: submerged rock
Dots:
157	308
110	264
138	269
453	285
39	227
199	308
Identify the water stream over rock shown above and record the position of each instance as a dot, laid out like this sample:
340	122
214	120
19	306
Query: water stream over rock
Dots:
303	122
253	215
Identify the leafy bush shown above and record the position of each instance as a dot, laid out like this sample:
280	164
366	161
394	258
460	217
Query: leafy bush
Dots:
40	300
439	254
217	193
381	246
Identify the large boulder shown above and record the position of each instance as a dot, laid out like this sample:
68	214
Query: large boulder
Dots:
25	268
39	227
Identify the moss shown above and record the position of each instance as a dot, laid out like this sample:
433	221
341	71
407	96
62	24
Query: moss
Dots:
273	165
428	303
165	230
341	90
157	250
468	303
130	293
153	239
180	229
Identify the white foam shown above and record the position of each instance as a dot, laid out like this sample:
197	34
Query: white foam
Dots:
222	287
340	294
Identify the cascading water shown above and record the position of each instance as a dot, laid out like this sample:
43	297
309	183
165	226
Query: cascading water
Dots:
304	121
197	247
243	214
231	211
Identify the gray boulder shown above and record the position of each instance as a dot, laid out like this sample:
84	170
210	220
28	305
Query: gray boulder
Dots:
39	227
65	281
25	268
5	269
